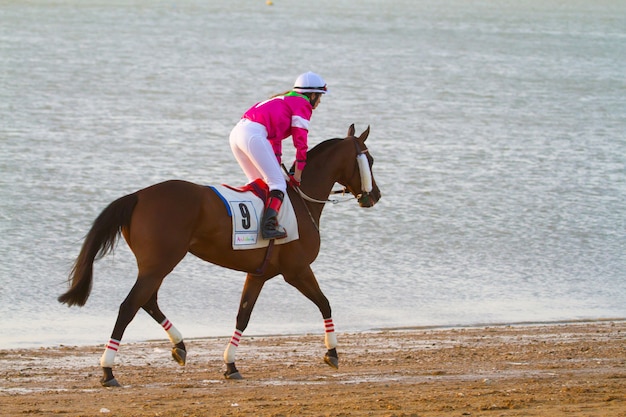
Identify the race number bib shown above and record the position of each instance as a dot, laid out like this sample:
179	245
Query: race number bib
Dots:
245	223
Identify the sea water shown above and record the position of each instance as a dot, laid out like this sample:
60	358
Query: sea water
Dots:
498	130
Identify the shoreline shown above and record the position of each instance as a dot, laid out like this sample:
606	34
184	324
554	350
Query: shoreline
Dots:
572	369
371	330
411	329
533	323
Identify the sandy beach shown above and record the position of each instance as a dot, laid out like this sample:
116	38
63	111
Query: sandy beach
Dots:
569	369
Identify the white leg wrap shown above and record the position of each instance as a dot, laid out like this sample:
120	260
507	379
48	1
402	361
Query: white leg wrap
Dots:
108	357
173	333
229	353
330	338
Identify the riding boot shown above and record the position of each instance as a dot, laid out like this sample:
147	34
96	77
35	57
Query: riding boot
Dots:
270	229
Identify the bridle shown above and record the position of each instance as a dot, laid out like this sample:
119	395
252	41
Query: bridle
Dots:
365	172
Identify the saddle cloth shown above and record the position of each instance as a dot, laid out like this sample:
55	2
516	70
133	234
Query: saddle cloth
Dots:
246	211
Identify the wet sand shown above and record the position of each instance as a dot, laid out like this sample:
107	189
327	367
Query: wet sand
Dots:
570	369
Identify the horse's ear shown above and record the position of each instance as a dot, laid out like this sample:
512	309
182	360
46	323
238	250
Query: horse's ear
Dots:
365	134
351	130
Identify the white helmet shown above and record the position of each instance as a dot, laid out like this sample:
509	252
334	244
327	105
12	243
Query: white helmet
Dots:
310	82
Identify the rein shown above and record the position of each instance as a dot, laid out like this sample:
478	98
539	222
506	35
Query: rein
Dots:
313	200
332	201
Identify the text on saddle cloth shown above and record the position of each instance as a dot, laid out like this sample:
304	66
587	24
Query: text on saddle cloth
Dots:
246	210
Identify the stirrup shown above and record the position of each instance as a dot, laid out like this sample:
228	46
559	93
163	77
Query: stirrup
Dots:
277	232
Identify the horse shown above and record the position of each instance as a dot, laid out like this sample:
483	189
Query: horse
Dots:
165	221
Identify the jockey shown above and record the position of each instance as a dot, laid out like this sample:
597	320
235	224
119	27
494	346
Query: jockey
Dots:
256	142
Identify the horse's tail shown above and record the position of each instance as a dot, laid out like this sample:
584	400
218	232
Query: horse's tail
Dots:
99	241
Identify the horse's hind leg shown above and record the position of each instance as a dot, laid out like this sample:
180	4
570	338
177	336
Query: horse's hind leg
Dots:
306	283
249	295
145	286
179	352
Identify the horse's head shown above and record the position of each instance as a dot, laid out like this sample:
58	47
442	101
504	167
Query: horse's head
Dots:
358	176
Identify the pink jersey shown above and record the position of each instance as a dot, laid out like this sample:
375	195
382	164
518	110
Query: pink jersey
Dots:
285	116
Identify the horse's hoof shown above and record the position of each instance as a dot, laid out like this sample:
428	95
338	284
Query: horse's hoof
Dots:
234	376
332	361
232	372
179	355
110	383
107	379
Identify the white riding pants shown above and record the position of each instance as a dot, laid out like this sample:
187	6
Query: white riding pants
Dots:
248	141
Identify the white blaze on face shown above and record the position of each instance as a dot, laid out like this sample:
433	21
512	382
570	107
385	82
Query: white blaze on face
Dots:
366	173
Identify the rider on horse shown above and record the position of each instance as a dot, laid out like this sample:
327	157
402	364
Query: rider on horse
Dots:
256	142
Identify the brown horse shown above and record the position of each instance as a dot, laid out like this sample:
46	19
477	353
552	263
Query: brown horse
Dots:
163	222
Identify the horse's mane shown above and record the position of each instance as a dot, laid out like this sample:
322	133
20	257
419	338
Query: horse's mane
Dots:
318	150
321	147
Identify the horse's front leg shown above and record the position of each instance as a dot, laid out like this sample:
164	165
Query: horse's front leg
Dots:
179	352
251	290
306	283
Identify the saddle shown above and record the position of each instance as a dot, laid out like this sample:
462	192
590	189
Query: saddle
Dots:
245	206
258	187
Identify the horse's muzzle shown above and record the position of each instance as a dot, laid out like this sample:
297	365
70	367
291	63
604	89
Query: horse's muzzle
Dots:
368	199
